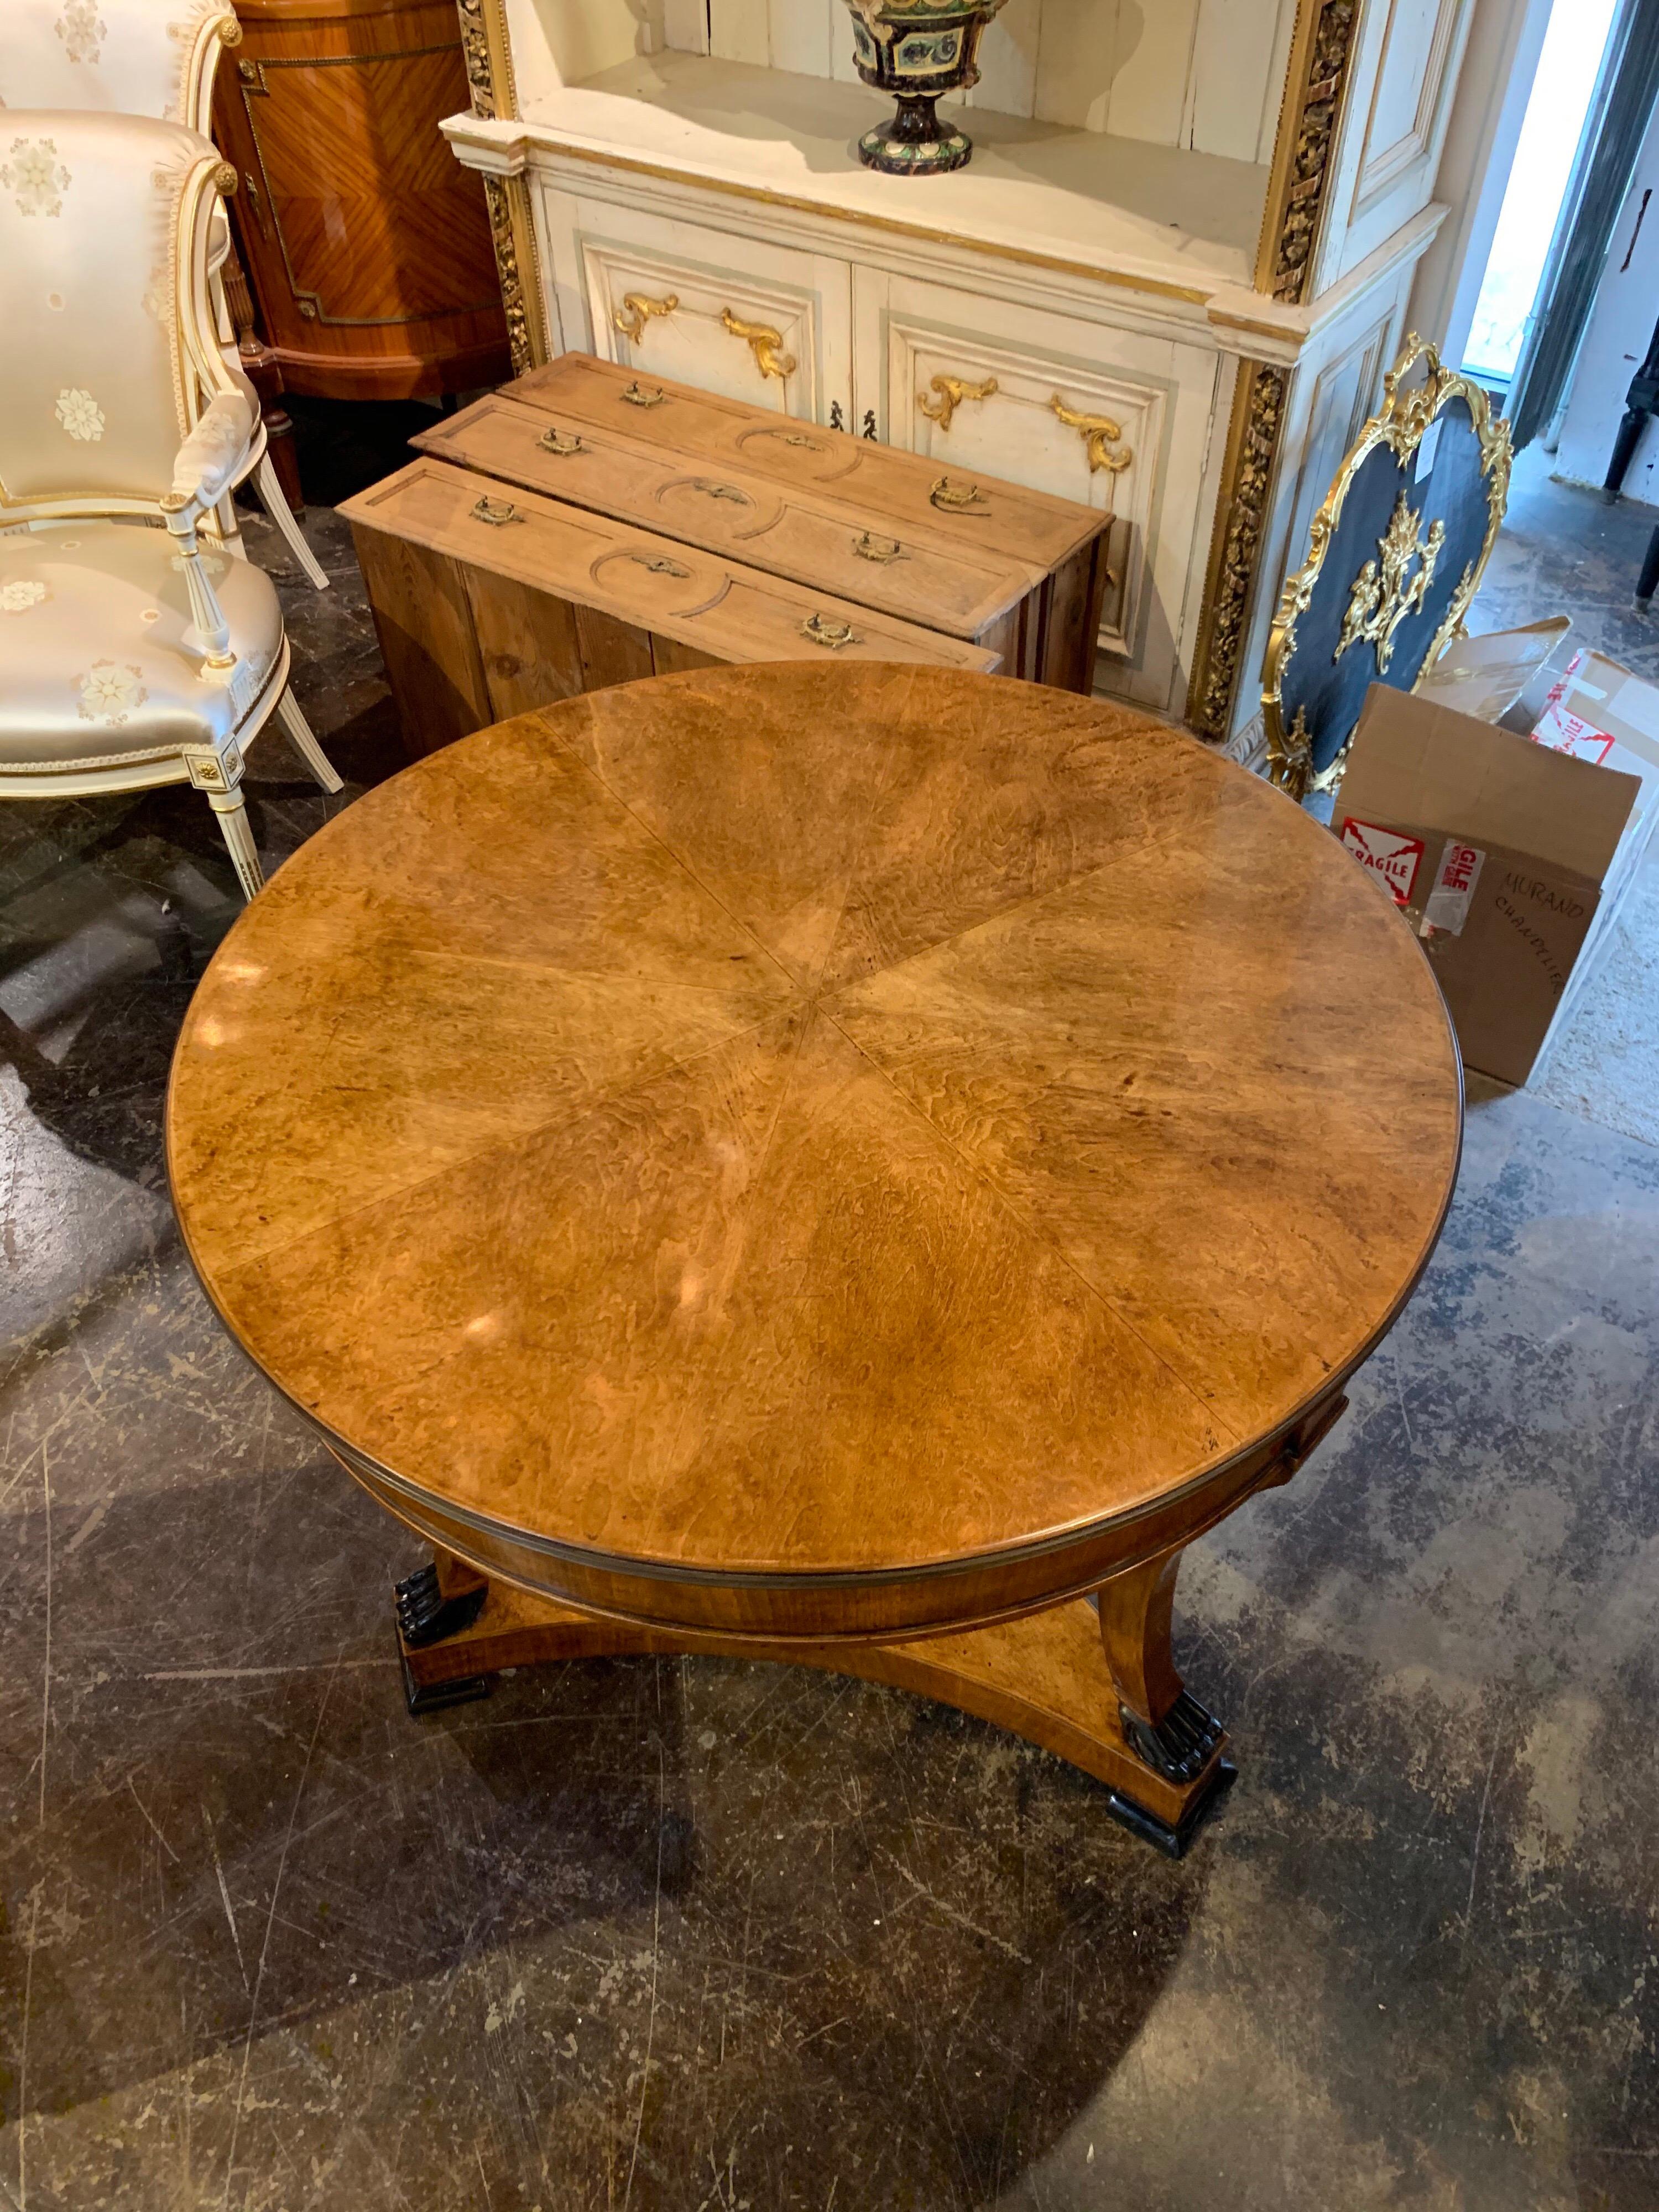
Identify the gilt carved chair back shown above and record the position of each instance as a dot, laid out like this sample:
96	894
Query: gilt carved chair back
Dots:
1396	556
109	356
154	58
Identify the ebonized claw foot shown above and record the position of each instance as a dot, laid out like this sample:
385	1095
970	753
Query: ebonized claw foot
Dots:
1180	1746
425	1615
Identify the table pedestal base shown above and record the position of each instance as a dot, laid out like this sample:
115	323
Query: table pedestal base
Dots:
1045	1677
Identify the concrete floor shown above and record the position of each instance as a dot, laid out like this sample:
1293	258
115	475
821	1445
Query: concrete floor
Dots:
703	1936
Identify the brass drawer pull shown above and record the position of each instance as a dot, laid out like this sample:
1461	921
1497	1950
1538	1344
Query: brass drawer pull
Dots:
871	548
497	511
725	491
798	438
637	396
636	311
764	343
834	635
952	391
1100	433
554	441
957	499
661	565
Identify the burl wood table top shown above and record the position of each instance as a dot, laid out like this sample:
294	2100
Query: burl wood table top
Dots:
814	1131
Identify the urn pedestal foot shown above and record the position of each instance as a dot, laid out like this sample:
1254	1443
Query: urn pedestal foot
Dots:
915	142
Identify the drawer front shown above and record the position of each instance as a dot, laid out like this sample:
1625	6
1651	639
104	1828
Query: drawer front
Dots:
767	324
984	389
763	525
695	598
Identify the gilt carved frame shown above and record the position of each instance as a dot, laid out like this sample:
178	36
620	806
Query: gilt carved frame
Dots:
1384	589
1322	50
512	227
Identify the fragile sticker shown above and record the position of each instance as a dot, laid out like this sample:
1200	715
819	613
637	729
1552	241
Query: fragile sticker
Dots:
1447	906
1569	733
1387	854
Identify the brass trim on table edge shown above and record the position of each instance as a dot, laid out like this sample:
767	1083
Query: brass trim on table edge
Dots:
1240	518
371	1478
1400	424
1311	115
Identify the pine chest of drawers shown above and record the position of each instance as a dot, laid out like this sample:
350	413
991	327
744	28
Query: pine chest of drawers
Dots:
581	527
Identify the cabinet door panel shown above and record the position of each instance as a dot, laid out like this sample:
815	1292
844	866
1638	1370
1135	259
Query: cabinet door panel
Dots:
759	323
986	388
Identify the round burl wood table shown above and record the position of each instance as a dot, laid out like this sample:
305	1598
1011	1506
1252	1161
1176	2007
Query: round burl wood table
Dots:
855	1166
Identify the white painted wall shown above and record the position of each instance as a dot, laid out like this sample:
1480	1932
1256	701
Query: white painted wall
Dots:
1622	323
1206	75
555	43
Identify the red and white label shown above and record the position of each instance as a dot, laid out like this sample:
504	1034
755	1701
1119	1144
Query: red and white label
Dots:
1387	854
1563	731
1570	734
1447	906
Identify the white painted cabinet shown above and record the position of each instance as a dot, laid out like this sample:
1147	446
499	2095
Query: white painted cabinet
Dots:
1117	420
706	306
1167	284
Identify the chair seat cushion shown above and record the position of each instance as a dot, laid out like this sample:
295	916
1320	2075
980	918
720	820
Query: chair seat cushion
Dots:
98	663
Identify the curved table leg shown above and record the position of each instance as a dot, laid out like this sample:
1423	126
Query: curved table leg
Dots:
1162	1723
1098	1689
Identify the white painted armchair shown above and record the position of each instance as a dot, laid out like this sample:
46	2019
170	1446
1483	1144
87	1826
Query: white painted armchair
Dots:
131	652
155	57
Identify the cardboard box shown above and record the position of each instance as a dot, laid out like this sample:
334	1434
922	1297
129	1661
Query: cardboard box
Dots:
1498	849
1485	676
1598	711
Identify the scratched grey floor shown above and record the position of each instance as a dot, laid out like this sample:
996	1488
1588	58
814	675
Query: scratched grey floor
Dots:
703	1937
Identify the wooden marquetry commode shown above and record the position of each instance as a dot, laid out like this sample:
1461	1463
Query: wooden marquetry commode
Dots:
1167	285
369	257
792	1162
586	527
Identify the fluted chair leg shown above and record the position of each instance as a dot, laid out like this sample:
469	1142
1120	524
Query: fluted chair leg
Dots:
276	507
239	839
304	743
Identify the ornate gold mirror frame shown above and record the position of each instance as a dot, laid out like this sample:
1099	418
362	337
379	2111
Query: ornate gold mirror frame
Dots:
1390	587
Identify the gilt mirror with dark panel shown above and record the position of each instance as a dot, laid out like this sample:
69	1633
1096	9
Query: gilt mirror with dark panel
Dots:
1396	556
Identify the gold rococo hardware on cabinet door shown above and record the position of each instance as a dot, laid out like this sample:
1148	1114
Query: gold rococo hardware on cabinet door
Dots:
1100	433
764	342
636	311
952	391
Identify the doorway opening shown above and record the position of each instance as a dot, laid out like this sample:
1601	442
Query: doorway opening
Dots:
1546	156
